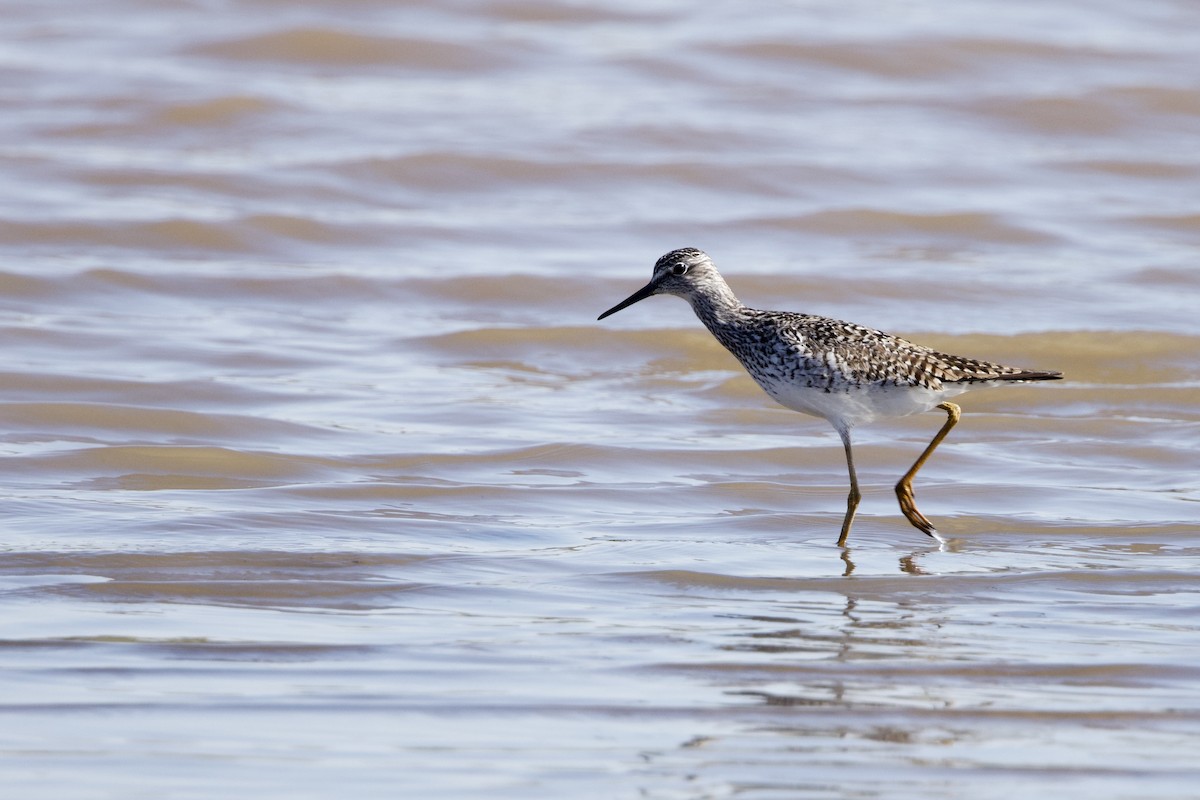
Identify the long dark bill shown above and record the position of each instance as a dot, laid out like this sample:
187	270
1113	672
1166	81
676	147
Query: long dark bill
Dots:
640	294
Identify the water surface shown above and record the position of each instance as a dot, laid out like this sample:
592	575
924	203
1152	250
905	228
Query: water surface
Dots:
319	476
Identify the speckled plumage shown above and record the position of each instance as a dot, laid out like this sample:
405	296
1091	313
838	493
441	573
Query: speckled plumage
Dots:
831	354
843	372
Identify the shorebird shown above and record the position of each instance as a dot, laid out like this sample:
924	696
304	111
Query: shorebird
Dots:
845	373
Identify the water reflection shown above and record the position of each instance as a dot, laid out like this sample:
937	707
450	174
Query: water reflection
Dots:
908	563
830	658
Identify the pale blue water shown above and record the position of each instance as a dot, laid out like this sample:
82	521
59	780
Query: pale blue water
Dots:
320	478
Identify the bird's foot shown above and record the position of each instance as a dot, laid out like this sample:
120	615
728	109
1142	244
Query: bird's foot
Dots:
908	505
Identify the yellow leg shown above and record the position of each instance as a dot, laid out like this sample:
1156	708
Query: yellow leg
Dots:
904	488
855	495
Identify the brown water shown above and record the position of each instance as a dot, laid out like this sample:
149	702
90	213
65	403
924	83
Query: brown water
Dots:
320	479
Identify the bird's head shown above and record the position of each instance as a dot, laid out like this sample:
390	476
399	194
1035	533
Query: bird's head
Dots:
680	272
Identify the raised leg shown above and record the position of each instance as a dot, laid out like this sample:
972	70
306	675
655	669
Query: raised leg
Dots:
904	488
855	495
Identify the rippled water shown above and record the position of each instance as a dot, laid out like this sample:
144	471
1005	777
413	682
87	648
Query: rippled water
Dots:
320	478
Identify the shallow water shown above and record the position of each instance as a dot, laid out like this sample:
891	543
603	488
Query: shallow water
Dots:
320	477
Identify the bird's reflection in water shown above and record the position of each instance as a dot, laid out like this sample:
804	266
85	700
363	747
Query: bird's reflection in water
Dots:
908	564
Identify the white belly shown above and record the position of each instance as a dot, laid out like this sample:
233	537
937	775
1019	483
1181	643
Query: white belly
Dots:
855	405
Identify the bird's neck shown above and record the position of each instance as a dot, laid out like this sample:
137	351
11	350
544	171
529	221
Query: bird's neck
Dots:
716	305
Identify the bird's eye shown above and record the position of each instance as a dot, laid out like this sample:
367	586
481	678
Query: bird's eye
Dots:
679	269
